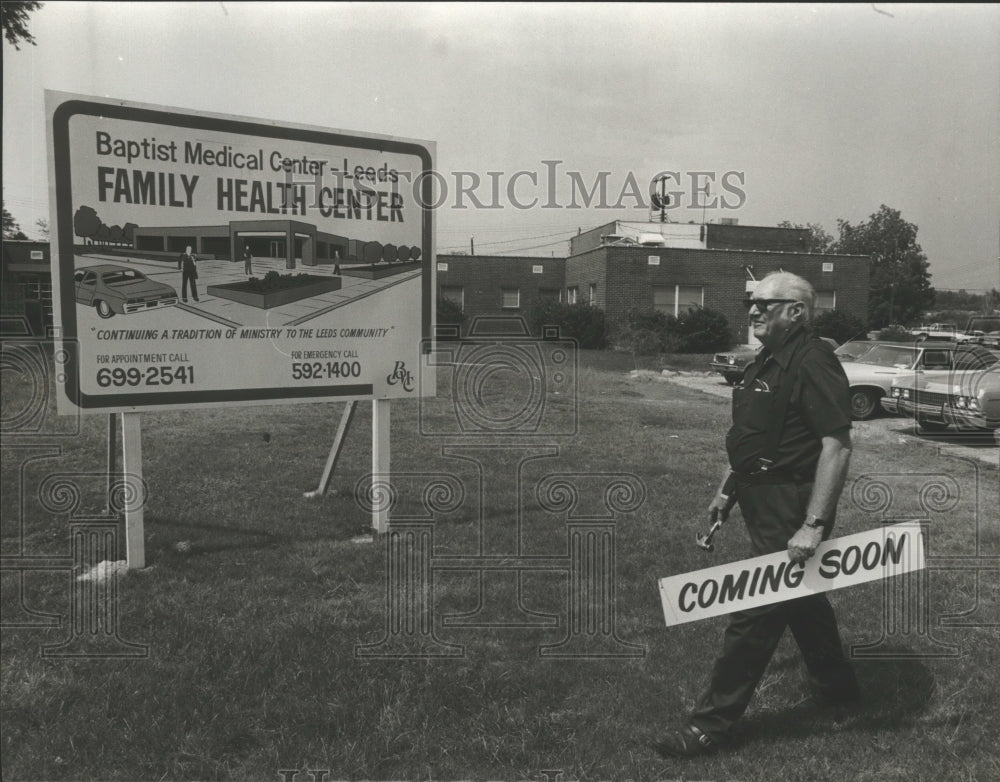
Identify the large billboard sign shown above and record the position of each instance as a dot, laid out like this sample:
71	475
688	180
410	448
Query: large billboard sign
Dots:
202	259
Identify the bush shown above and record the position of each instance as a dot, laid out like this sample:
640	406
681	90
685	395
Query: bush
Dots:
640	341
838	326
651	321
696	331
273	281
702	331
582	322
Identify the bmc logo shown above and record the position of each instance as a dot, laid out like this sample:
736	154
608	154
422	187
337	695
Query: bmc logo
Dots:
400	374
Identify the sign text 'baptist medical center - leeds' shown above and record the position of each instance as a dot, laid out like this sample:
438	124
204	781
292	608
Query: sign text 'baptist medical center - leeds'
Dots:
134	185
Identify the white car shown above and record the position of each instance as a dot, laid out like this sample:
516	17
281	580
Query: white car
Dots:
965	398
871	375
947	331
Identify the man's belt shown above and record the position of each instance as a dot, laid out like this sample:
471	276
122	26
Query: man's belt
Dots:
770	477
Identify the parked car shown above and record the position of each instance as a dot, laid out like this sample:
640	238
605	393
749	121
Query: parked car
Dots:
732	364
967	399
852	350
946	331
871	375
983	330
114	289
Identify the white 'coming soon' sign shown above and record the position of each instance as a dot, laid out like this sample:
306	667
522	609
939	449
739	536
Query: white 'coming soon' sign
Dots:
773	578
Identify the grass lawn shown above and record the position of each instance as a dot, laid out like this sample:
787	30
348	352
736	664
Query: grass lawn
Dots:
255	602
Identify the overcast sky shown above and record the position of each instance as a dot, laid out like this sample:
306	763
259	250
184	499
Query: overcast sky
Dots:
815	112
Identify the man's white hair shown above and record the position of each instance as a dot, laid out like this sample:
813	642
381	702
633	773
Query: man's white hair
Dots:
790	286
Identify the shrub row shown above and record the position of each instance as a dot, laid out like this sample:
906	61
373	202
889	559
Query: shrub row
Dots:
698	330
695	331
582	322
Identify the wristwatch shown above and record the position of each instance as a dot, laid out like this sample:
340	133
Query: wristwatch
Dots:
815	522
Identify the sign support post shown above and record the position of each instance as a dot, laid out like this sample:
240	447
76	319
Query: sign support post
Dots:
380	464
335	449
135	546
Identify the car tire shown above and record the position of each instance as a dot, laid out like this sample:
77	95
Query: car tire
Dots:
103	309
864	404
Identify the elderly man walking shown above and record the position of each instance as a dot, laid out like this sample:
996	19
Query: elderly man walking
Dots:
789	449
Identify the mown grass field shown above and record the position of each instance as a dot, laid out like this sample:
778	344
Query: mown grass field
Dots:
255	601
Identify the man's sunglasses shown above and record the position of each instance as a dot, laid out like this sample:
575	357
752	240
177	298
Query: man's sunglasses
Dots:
763	305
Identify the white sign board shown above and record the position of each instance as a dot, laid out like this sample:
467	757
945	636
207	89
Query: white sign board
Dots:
772	578
311	274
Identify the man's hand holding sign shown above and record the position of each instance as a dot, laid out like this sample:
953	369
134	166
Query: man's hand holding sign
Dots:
789	450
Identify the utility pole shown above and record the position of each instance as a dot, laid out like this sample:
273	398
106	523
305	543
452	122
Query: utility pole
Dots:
472	245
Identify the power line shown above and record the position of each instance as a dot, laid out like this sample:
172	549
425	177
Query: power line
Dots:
535	247
521	239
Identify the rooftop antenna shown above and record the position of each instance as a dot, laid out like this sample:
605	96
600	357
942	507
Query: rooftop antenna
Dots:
660	200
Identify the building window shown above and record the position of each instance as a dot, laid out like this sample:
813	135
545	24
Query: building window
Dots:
677	300
550	294
510	298
663	299
826	300
827	267
537	269
689	297
455	294
571	295
592	294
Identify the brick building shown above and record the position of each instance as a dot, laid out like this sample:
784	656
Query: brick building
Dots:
619	266
623	266
26	287
500	285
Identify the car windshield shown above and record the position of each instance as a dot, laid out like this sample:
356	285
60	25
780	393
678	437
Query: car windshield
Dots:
889	356
853	350
125	275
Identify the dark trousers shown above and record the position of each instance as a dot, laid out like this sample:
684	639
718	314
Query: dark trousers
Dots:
772	514
189	277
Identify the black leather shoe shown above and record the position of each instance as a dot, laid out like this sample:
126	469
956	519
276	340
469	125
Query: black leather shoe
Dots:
686	742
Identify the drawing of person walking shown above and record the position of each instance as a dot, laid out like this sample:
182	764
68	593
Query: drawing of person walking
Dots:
189	273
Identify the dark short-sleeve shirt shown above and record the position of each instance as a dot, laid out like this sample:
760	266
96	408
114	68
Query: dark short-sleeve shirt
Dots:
819	406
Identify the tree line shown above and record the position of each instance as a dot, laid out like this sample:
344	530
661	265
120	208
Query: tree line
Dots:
900	288
90	227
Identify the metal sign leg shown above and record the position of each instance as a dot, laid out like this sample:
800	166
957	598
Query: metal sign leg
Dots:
335	449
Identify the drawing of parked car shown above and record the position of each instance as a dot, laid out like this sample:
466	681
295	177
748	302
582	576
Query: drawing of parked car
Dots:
117	289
